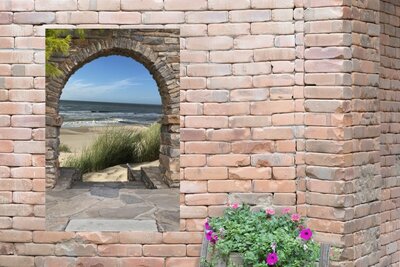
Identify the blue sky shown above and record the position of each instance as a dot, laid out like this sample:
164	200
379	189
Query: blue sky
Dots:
116	79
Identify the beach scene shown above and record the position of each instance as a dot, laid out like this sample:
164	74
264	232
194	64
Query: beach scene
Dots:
107	150
85	121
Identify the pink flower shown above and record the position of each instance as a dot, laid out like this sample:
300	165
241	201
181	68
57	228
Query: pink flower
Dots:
286	210
306	234
272	259
209	235
214	238
270	211
207	225
296	217
235	206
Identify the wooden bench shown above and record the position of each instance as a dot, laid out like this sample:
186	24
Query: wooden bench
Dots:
238	261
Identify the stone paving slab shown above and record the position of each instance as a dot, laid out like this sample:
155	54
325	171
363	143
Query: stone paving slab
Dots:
101	225
97	205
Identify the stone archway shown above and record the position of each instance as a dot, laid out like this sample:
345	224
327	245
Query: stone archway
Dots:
158	51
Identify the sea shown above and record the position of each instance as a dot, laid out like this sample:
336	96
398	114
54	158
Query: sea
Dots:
88	114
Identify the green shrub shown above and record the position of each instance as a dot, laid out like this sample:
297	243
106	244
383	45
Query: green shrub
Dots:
147	147
263	238
118	145
64	148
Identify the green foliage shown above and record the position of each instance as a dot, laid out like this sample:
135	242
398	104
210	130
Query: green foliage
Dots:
148	146
64	148
254	235
118	145
58	41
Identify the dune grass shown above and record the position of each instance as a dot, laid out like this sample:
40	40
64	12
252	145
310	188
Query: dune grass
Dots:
118	145
64	148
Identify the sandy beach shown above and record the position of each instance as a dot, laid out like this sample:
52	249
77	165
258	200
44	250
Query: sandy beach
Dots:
79	137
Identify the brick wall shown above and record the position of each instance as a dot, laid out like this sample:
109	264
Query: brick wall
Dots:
389	107
279	107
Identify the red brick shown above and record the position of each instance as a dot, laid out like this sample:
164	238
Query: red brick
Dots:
226	108
99	5
207	17
249	173
228	134
15	236
182	238
206	173
193	212
30	42
206	121
229	82
207	96
249	15
256	68
191	160
252	147
120	250
205	199
140	238
182	262
16	261
189	109
229	186
231	29
249	95
249	121
6	17
207	147
284	173
163	17
272	159
5	197
34	17
231	56
142	5
120	17
74	17
4	171
28	121
276	133
52	237
193	83
97	261
164	250
274	186
29	223
273	80
29	147
228	5
185	5
193	250
8	108
56	6
272	107
6	146
209	43
142	262
193	186
230	160
28	198
9	159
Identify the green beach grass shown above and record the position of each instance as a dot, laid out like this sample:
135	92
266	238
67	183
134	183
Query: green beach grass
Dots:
118	145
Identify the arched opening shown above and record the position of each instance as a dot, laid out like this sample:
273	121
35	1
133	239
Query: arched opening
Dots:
122	105
104	106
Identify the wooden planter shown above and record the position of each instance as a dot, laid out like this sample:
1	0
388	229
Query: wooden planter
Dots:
236	259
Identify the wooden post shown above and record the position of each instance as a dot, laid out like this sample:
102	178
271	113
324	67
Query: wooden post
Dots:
324	255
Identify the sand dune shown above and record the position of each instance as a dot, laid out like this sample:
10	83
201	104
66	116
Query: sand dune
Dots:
78	138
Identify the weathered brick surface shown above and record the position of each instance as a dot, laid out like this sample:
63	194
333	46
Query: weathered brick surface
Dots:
279	107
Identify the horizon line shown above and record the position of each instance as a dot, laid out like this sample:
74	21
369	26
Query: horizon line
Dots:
110	102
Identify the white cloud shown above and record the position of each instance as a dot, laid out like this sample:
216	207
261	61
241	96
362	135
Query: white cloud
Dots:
82	90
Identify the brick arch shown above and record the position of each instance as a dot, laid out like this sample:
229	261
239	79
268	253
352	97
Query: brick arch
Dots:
157	53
